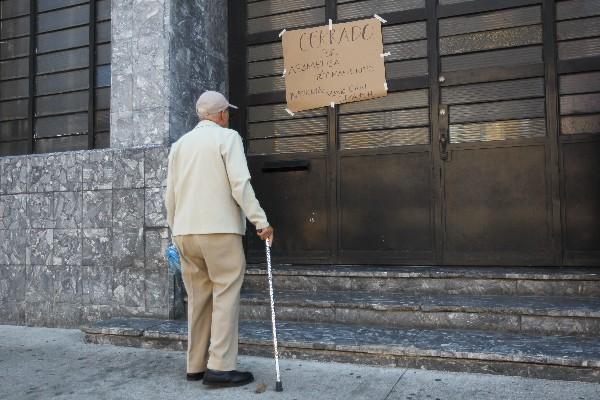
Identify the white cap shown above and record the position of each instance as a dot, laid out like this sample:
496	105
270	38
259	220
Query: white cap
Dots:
211	102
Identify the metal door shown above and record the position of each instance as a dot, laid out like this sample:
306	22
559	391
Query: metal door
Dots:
460	164
289	157
353	184
495	140
387	195
577	32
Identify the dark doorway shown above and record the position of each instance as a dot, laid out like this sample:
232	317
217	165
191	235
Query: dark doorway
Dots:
462	163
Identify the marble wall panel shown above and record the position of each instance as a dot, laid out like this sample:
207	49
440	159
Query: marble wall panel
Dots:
155	166
68	210
97	209
128	208
13	175
40	243
13	246
155	211
98	168
128	287
128	248
97	284
13	280
128	168
13	211
40	210
67	247
97	247
157	241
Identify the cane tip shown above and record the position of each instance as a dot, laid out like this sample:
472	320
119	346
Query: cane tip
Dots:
278	387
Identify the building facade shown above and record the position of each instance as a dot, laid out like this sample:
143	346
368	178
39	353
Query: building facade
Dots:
484	152
83	167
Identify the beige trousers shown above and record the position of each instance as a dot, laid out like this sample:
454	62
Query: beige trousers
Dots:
213	268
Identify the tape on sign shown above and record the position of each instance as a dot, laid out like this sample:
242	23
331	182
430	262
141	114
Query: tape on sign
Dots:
383	21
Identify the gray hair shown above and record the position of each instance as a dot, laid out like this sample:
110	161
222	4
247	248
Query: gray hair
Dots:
201	113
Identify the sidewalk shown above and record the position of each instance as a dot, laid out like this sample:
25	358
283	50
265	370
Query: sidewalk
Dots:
47	363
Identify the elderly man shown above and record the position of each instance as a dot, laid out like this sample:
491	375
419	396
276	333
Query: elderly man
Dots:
207	199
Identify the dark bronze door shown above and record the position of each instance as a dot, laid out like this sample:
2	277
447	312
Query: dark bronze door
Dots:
495	142
351	184
578	73
387	193
462	163
289	157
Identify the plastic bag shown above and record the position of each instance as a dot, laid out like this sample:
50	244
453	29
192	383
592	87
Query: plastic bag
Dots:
172	256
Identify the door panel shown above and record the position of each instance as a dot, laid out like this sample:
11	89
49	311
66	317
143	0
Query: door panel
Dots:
296	196
296	202
496	197
582	202
496	206
386	207
578	48
385	174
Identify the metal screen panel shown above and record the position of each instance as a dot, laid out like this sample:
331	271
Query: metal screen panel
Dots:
270	7
287	145
497	111
348	9
491	21
399	119
491	91
296	127
578	36
500	130
271	130
386	138
583	82
490	40
577	9
494	39
295	19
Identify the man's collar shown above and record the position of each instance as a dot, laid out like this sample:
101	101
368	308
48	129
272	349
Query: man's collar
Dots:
207	122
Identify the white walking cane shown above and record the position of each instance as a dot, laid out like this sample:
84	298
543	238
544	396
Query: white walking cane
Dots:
278	385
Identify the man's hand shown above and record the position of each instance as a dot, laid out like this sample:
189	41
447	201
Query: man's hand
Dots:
266	233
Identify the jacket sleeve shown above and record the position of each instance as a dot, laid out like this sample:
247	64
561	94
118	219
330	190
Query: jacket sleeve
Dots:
170	191
239	180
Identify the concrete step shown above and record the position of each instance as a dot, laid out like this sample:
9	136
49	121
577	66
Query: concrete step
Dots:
510	281
527	314
517	354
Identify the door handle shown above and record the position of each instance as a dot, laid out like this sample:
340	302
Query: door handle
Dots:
286	165
444	134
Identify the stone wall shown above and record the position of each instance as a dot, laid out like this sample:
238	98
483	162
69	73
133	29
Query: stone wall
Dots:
82	237
82	234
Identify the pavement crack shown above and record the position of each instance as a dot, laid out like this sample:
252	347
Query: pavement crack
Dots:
395	384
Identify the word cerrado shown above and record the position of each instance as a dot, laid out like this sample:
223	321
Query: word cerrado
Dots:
323	37
338	65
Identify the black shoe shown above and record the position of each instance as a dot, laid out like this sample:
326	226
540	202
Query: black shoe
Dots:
195	376
227	378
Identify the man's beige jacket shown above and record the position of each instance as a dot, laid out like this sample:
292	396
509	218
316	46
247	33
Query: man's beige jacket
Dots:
208	184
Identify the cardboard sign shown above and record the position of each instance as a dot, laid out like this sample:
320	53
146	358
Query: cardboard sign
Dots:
339	65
